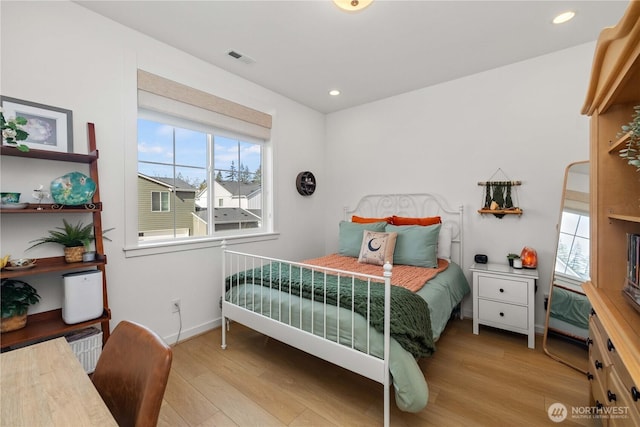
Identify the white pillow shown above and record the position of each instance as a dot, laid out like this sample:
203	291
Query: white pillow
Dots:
444	242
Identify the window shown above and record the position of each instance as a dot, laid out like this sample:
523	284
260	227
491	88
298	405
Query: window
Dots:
572	259
159	201
203	166
182	166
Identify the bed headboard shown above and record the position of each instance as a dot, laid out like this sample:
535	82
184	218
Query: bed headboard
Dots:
414	205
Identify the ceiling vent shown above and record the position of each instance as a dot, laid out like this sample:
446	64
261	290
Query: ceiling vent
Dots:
241	57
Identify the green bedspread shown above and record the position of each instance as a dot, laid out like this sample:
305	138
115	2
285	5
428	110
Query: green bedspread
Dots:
571	307
410	319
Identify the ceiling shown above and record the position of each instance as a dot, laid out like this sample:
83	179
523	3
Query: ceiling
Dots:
302	49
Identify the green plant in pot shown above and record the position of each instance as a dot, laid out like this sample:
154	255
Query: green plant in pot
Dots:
75	239
511	257
12	131
632	151
16	296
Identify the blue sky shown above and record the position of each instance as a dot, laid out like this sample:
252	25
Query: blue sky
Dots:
155	145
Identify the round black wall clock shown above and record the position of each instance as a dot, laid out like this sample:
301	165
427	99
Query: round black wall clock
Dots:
306	183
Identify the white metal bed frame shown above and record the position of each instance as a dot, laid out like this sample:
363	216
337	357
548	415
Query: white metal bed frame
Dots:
339	353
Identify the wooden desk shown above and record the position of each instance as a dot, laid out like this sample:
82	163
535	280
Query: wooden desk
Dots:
45	385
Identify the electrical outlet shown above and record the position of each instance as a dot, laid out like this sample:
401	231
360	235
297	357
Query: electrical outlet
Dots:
175	306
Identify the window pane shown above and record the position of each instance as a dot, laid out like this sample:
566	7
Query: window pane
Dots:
155	142
583	227
569	222
155	201
238	189
164	204
191	148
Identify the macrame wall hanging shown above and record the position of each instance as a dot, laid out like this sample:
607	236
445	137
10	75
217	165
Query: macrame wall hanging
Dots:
500	197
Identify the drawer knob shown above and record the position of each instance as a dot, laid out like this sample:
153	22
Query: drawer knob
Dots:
593	312
599	405
589	341
501	290
598	364
610	346
611	396
589	376
635	394
501	314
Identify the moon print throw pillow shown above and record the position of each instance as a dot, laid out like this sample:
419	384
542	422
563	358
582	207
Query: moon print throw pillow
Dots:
377	248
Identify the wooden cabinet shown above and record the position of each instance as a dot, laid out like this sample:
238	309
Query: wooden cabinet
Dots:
503	297
49	324
613	91
614	395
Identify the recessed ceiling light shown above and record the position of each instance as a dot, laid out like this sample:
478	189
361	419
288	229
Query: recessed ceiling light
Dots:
564	17
352	5
334	92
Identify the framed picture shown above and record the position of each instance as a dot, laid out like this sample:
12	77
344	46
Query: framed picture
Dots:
49	128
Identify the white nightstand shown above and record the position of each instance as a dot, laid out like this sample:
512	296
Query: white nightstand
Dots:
504	297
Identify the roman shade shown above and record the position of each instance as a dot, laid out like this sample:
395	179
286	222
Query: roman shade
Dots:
159	94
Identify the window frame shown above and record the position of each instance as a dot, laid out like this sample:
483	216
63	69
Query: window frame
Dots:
265	231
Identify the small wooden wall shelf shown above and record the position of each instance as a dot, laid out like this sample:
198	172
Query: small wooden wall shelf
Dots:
512	211
498	199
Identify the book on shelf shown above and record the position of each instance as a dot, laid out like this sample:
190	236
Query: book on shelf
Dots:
633	258
632	281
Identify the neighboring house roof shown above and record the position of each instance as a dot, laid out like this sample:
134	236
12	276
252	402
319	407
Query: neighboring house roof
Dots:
239	188
177	184
226	215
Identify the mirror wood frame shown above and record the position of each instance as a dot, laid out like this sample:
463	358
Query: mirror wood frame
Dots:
545	337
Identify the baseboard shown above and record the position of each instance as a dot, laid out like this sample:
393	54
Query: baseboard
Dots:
192	332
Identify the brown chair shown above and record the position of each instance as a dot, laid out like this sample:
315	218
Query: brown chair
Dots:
131	374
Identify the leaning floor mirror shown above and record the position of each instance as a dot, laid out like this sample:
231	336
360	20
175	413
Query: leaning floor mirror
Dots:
567	321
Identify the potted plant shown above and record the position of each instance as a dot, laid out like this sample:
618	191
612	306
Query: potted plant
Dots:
12	131
16	296
632	152
511	257
75	239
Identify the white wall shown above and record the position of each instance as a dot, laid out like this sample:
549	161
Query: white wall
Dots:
523	118
60	54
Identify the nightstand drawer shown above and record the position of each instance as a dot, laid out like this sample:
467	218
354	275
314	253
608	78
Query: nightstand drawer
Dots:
514	316
507	290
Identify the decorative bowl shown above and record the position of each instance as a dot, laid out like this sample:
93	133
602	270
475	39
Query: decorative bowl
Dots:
20	263
73	189
8	198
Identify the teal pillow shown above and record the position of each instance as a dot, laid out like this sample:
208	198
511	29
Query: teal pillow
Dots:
351	236
416	245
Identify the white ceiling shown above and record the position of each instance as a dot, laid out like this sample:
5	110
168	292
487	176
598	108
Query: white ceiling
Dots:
304	48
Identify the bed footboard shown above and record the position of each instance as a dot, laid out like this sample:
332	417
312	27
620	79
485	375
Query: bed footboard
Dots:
278	306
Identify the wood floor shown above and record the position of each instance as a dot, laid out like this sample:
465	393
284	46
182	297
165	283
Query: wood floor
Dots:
491	379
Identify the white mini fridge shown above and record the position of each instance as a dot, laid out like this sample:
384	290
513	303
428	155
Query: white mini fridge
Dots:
82	296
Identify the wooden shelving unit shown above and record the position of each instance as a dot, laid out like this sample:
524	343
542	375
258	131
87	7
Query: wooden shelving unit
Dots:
49	324
53	208
614	209
51	265
45	325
